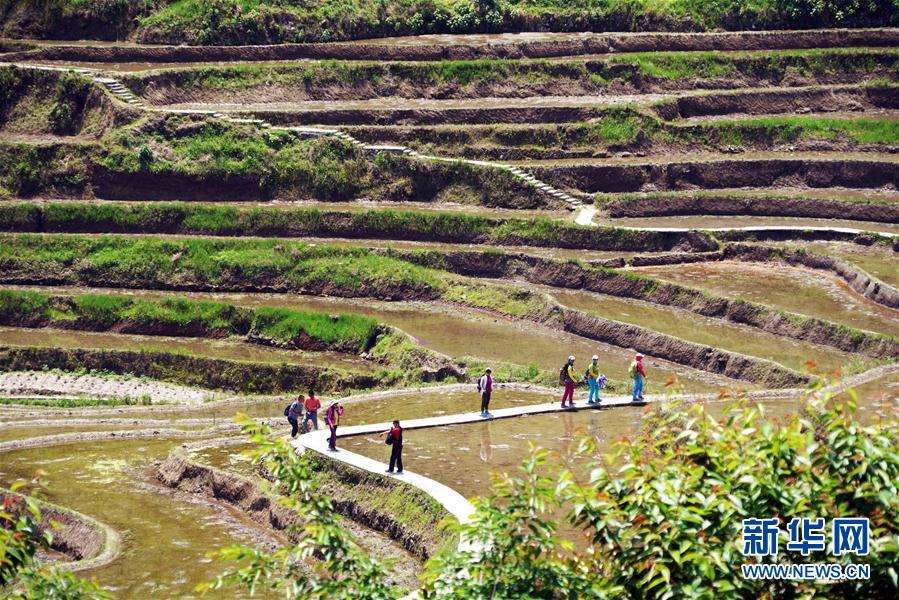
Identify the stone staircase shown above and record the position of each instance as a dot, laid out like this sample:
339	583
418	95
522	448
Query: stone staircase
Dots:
118	90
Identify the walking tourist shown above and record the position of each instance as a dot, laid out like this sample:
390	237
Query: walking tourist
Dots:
569	378
312	404
638	374
395	439
592	377
332	420
294	411
485	386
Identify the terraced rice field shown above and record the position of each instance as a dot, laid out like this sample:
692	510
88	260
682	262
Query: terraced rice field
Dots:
187	233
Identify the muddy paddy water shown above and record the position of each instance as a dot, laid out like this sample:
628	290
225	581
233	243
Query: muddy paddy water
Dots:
459	332
706	330
230	349
165	536
878	260
465	456
788	288
726	222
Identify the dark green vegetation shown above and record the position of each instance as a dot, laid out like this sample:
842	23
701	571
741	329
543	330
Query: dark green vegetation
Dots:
194	219
275	21
24	533
178	316
478	78
71	402
657	485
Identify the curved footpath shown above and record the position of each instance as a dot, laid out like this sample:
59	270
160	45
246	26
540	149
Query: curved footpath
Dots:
459	506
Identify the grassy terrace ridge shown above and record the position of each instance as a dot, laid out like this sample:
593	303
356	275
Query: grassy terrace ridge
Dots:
602	199
231	22
291	266
629	128
194	219
179	316
331	79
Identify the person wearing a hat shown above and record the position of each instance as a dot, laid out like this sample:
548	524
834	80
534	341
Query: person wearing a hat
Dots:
592	376
638	374
332	420
485	386
570	379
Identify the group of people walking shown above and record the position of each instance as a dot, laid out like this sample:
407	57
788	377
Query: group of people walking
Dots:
597	381
311	405
568	376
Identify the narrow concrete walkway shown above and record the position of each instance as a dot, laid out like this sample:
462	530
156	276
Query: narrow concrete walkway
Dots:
456	504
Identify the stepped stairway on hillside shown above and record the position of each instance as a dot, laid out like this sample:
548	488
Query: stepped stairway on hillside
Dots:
123	94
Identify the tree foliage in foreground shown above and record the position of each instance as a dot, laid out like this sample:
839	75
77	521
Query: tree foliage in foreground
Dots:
659	518
22	576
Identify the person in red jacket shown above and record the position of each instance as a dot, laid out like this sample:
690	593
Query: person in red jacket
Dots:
396	449
312	404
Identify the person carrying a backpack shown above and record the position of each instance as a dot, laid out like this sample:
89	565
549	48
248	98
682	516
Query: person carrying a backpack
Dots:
485	386
569	378
312	404
638	374
395	440
332	420
293	412
592	377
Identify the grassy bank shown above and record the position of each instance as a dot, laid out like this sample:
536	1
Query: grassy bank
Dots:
179	316
197	157
496	77
50	102
195	219
274	21
626	128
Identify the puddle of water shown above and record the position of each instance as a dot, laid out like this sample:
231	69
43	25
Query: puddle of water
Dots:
55	428
463	333
880	261
788	288
165	540
706	330
226	349
723	222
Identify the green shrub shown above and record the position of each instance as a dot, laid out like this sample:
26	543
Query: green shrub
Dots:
339	330
17	307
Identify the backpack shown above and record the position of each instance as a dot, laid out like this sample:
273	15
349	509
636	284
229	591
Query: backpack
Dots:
632	371
287	409
389	441
563	373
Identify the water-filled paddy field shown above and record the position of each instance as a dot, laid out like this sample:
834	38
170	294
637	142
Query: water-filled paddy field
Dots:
588	171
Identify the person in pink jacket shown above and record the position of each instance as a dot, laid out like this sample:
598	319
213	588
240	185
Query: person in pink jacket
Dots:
568	376
332	420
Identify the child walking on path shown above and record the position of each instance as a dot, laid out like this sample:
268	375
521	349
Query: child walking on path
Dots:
592	375
638	374
395	439
570	379
332	420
